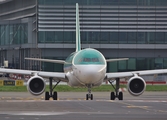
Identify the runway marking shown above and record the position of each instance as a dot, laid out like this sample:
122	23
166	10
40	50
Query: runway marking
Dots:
38	113
147	101
15	99
39	98
133	106
147	108
23	101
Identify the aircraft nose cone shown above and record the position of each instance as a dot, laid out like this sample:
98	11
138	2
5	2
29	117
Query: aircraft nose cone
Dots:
91	75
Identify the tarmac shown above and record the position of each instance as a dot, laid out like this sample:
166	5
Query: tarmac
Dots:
73	106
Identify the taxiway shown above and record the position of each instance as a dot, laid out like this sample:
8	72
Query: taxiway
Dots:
17	106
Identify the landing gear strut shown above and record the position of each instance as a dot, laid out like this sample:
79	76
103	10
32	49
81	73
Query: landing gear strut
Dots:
51	88
89	95
116	94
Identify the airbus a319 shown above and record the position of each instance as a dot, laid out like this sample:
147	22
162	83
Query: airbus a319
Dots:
83	68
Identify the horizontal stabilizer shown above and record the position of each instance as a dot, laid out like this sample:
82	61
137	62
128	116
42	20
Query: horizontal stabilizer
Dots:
113	60
47	60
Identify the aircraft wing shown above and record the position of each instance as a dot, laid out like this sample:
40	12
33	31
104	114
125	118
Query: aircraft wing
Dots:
113	60
56	75
131	74
47	60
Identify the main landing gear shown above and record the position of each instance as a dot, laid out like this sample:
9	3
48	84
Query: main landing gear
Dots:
116	94
89	95
51	88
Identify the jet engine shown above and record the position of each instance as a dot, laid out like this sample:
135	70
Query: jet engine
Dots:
136	85
36	85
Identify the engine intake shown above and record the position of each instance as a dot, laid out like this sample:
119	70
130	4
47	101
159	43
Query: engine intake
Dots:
136	85
36	85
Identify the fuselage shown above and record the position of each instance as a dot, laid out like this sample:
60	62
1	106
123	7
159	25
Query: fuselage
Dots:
85	67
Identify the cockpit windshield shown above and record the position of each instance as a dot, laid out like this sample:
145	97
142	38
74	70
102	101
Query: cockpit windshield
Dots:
89	59
89	56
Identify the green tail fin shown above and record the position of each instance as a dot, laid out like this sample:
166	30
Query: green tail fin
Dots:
78	38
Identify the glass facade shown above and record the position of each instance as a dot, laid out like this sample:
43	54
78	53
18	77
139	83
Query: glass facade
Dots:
107	22
104	37
103	21
11	34
56	37
134	64
104	2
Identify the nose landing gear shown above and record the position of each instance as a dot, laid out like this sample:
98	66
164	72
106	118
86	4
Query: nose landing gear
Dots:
89	95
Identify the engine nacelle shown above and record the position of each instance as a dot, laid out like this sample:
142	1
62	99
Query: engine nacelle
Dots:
136	85
36	85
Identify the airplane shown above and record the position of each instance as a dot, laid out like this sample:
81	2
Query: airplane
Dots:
84	68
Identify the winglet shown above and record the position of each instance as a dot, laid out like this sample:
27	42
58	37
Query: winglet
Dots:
78	38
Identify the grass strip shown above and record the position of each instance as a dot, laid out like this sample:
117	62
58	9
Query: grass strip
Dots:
65	88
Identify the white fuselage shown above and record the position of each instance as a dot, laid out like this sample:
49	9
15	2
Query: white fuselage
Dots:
82	75
87	73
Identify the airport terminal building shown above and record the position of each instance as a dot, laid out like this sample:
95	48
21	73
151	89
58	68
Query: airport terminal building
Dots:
136	29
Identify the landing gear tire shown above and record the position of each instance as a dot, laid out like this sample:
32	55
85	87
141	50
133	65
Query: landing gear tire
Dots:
112	97
47	96
116	94
89	96
51	87
55	95
120	97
